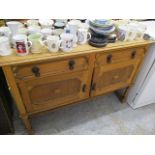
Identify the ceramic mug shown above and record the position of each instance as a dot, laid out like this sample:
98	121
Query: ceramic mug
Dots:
84	26
21	44
4	46
5	31
58	32
14	26
52	43
67	42
137	29
46	23
73	26
37	44
123	33
34	29
46	32
83	36
32	22
23	30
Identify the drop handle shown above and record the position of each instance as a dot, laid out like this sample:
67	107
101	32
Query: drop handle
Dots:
71	64
36	71
133	54
93	87
109	58
84	88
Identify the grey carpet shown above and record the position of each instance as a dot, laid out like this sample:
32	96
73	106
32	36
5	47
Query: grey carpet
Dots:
99	116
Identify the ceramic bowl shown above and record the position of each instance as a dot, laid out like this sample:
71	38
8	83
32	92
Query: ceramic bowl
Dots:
99	24
59	25
61	20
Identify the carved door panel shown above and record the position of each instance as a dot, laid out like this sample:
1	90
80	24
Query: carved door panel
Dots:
43	93
112	77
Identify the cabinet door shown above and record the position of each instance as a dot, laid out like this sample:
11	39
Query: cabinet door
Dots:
109	78
49	92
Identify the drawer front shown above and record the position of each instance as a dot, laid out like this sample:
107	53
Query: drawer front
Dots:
55	67
119	56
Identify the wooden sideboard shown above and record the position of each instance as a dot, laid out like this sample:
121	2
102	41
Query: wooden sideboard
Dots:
41	82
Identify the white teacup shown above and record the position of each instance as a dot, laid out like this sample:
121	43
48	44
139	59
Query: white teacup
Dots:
21	44
52	43
4	46
83	35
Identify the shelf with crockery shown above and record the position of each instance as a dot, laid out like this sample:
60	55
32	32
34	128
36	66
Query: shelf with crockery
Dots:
22	38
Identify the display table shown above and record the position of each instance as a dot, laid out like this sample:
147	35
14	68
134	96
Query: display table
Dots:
45	81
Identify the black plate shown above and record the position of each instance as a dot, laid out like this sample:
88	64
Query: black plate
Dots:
97	44
101	40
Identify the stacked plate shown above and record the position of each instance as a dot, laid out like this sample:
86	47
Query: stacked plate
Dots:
100	30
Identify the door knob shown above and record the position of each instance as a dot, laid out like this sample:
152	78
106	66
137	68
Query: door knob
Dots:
133	54
109	58
84	88
36	71
71	64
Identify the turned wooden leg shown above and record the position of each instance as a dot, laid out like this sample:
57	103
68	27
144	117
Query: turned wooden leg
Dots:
27	124
9	75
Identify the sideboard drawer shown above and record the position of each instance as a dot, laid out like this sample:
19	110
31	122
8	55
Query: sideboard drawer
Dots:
119	56
55	67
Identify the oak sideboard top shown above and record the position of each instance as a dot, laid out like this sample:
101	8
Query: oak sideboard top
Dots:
79	50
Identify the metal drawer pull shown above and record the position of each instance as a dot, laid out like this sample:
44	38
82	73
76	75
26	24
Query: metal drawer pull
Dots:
93	87
133	54
109	58
84	88
71	64
36	71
